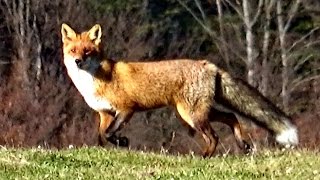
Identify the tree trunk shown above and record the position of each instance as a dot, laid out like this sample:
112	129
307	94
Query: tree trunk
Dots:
250	44
222	35
265	53
284	59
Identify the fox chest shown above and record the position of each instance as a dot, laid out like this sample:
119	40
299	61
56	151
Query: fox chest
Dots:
85	84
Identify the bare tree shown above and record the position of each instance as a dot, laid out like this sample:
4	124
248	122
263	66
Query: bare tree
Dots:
249	18
268	7
283	29
290	78
224	48
222	34
21	19
251	51
245	12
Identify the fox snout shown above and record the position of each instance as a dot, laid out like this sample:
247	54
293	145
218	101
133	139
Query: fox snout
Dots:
88	64
83	64
79	63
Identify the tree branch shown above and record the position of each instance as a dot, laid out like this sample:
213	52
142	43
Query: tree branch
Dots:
302	80
302	38
256	16
296	67
201	10
292	13
209	30
240	13
205	27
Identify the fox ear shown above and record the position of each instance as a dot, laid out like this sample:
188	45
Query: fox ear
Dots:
67	32
95	34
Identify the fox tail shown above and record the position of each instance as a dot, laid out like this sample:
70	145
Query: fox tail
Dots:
244	100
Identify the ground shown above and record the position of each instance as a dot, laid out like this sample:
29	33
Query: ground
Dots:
99	163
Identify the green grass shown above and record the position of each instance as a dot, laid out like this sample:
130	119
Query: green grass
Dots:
98	163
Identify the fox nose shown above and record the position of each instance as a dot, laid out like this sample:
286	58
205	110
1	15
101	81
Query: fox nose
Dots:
78	62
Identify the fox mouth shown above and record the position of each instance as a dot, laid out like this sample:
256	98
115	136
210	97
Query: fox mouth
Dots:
84	66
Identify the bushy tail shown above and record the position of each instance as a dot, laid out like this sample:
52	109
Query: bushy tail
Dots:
241	98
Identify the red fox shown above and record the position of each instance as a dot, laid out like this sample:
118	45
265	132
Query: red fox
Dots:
199	91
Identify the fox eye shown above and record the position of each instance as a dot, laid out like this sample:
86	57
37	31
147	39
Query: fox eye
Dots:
73	50
87	52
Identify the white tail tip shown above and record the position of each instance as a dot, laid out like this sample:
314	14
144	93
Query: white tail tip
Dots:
288	137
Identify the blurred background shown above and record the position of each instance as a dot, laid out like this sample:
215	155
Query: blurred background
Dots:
272	44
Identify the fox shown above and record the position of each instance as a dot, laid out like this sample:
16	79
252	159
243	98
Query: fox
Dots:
197	90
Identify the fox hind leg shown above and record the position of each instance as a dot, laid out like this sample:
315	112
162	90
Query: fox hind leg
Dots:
199	122
231	120
209	136
191	130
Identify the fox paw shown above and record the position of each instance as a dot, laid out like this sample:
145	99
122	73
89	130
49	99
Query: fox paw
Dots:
247	148
119	141
123	142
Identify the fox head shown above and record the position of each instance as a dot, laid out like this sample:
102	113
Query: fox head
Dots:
82	51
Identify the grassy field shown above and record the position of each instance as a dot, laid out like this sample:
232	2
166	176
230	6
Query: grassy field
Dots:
98	163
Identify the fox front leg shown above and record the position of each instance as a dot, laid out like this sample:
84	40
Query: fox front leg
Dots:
105	121
117	124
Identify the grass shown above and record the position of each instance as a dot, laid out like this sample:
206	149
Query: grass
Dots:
98	163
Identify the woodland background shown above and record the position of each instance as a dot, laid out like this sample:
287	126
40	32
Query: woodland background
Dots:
273	45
